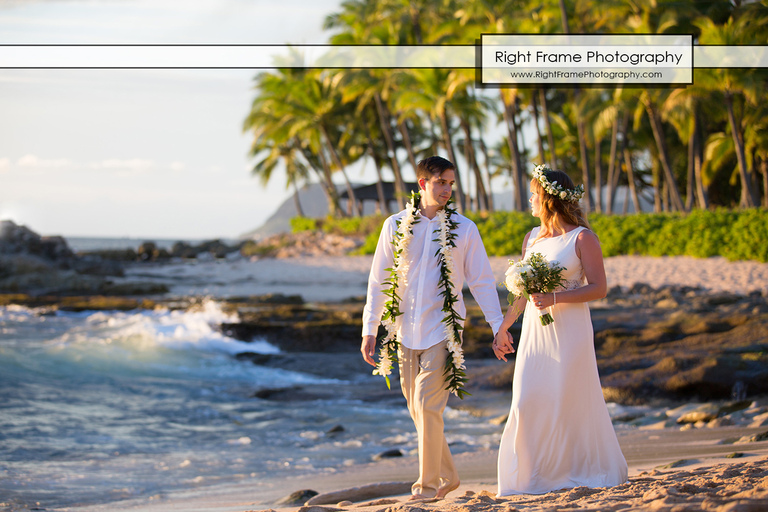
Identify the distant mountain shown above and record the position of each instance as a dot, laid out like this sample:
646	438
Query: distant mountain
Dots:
313	202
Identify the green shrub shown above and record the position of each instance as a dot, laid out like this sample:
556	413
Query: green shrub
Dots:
747	239
299	224
353	225
370	242
503	232
736	235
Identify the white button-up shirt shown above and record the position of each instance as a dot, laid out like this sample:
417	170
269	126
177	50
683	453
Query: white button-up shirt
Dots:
420	326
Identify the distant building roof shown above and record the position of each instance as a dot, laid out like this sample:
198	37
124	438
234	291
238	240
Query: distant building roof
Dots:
369	193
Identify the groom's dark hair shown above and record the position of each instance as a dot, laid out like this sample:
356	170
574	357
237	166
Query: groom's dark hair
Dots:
433	166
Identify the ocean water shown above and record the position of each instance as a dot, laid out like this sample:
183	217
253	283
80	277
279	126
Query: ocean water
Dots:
84	244
97	407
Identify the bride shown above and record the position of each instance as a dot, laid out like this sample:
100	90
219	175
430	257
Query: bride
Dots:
558	434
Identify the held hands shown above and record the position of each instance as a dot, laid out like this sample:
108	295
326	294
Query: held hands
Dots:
542	300
502	344
368	349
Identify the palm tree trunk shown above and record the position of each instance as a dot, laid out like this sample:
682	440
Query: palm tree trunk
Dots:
583	154
691	178
386	129
698	162
482	194
657	206
579	123
548	128
598	176
764	172
407	142
334	207
564	17
448	141
383	204
661	144
539	140
296	201
625	206
324	175
612	167
517	165
631	177
334	203
747	196
484	150
352	205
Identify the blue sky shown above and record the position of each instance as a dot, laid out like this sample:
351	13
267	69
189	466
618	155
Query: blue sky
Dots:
139	153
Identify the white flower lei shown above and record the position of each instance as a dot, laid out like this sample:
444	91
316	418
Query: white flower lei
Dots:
455	375
556	189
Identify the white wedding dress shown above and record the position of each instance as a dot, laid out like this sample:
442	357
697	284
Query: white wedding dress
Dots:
558	434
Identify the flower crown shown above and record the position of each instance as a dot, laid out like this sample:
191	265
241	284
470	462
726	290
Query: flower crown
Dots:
554	188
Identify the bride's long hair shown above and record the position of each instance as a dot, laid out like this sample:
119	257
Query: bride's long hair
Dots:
555	212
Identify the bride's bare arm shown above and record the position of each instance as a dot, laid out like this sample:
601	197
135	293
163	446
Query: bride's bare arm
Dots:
591	256
503	342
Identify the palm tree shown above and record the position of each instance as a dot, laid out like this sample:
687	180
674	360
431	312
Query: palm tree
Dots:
303	108
368	22
736	85
649	101
427	90
272	136
682	109
316	105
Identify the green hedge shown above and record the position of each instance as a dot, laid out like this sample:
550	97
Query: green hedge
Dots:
735	235
503	232
299	224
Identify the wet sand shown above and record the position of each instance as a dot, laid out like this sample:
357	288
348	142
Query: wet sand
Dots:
670	470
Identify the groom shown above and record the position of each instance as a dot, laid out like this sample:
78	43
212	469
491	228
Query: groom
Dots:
421	331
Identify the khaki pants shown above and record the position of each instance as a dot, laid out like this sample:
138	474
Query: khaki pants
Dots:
423	385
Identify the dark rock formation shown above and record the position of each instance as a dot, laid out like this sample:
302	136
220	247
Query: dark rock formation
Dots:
677	343
148	251
362	493
297	498
395	452
37	265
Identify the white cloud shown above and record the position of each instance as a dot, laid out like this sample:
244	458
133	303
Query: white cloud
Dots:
133	164
120	166
34	162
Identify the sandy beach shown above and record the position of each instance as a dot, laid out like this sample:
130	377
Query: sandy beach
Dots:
670	470
672	467
333	278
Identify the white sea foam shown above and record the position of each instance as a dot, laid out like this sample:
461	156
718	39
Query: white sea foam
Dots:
173	329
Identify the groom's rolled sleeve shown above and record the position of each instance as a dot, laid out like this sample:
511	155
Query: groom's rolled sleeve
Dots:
480	279
375	298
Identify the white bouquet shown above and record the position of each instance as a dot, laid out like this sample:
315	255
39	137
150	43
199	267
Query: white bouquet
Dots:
534	274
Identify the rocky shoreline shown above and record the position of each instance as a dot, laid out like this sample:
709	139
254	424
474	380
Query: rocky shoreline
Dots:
669	342
39	265
704	347
674	343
